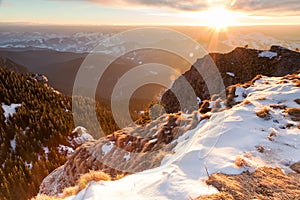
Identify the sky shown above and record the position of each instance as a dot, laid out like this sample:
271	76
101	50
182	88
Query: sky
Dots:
150	12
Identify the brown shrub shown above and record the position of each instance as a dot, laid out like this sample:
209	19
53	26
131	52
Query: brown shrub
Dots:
272	134
264	183
261	99
218	196
264	113
45	197
289	125
240	162
294	113
278	106
246	102
84	180
261	149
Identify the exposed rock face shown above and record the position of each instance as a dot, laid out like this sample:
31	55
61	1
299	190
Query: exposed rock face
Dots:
79	136
296	167
9	64
239	66
133	149
40	78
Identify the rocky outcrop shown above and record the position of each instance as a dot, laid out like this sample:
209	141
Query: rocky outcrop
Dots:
296	167
237	67
40	78
130	150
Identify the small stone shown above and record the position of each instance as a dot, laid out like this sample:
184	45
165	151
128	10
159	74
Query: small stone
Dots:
296	167
260	149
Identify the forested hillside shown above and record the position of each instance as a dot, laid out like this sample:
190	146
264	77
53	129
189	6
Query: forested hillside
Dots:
30	137
35	122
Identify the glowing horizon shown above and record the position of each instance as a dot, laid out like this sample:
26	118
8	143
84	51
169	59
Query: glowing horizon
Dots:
99	12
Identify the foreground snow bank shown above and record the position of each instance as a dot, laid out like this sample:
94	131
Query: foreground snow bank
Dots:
231	142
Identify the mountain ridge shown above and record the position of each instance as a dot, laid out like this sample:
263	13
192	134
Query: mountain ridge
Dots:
161	133
238	66
11	65
265	104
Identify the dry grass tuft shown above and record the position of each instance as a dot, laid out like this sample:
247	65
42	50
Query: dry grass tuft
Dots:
289	125
84	181
92	176
294	113
45	197
245	102
240	162
260	149
261	98
265	183
264	113
278	106
272	134
218	196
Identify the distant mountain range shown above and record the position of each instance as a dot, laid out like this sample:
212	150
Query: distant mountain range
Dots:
85	39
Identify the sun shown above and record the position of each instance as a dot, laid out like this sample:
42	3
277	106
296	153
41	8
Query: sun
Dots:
218	18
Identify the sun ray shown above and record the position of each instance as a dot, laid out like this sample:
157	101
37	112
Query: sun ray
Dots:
218	18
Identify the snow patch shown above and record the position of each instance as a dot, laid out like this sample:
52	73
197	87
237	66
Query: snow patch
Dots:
230	74
199	100
107	147
153	140
240	94
127	156
29	165
13	143
82	136
65	149
46	151
9	110
268	54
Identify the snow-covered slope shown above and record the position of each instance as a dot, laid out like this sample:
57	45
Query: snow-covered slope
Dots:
262	130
